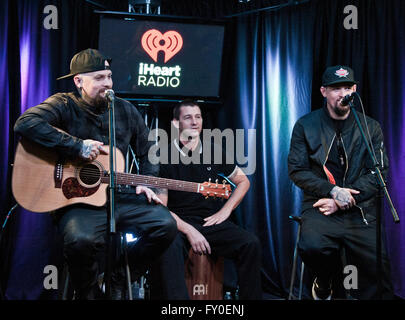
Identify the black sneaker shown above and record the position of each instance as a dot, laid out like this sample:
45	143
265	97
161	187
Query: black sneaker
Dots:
321	291
118	284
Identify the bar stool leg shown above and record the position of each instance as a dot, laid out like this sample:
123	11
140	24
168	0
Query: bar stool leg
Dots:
301	281
127	271
294	268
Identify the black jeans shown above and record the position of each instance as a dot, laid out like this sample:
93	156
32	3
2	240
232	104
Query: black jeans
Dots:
226	240
84	236
323	236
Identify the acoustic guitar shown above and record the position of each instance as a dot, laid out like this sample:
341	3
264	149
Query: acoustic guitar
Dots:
42	181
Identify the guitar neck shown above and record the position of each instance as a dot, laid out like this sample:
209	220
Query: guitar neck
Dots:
150	181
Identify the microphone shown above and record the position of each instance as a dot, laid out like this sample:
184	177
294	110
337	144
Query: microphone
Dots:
109	94
347	99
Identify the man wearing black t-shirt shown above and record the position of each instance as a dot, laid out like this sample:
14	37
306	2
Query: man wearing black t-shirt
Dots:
202	223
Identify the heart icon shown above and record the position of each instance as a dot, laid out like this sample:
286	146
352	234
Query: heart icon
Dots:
154	41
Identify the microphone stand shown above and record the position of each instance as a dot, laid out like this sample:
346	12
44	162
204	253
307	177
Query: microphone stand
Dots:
383	187
111	190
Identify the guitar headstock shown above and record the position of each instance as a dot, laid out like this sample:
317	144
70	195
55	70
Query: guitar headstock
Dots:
215	189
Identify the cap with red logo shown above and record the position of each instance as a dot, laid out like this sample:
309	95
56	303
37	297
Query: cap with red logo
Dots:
338	74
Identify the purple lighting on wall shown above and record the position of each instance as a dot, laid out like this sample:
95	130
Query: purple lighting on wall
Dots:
31	245
34	57
396	232
4	97
24	68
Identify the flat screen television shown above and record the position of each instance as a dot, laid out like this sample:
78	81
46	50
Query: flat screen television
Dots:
163	57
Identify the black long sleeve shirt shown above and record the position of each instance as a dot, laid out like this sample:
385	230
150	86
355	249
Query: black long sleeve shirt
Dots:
80	121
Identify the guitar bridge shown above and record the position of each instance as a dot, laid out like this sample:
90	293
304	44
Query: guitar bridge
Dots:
58	175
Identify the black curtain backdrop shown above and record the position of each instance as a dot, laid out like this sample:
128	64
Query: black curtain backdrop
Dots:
273	69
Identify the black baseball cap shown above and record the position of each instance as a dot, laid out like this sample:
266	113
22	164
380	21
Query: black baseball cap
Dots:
338	74
88	60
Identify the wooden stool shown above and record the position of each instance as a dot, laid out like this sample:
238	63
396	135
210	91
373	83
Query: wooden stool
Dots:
204	276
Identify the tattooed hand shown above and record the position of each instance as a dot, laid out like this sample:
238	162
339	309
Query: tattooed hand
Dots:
343	197
91	149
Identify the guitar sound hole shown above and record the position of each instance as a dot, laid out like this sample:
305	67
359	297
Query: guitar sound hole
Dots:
89	174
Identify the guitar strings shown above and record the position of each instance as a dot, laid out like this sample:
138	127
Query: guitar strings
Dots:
92	172
88	172
148	180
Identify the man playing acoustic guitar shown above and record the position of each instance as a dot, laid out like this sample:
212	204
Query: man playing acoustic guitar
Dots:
83	117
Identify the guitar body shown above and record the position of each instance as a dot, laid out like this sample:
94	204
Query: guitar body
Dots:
43	182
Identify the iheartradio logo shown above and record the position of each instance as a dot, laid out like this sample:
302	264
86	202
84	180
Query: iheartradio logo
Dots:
154	41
